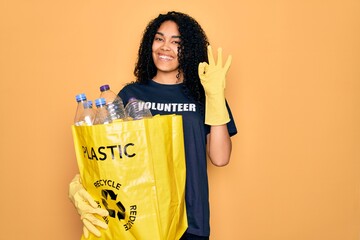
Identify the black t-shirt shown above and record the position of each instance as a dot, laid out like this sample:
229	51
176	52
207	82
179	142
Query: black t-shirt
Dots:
170	99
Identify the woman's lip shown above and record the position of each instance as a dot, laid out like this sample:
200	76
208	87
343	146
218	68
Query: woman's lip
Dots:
165	57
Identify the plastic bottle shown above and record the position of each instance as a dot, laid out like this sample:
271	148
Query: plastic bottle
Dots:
80	99
136	109
89	114
114	103
102	114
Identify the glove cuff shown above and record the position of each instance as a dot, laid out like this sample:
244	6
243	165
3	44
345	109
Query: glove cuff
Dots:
216	112
74	186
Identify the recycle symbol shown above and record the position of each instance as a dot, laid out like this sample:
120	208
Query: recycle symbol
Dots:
120	211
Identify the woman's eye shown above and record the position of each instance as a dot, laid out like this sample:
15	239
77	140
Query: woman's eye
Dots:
158	39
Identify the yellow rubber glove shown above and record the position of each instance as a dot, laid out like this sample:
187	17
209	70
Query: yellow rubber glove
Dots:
212	77
87	208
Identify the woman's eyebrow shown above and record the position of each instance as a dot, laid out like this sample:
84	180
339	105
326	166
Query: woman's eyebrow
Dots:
162	34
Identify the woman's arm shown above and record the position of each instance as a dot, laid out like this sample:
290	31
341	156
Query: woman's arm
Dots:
219	145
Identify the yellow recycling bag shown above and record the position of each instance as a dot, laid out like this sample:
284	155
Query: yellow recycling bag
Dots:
135	170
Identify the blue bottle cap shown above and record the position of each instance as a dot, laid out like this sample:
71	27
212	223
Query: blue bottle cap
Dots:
104	87
100	102
80	97
88	104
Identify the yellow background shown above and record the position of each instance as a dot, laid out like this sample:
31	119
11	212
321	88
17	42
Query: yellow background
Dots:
293	86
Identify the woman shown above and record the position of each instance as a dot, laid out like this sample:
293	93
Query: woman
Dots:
176	68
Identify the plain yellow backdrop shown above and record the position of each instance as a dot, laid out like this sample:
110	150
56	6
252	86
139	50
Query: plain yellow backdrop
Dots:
294	88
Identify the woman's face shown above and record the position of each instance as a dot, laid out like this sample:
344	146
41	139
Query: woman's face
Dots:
165	48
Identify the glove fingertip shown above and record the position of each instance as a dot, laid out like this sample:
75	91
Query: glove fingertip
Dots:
103	212
103	225
93	203
86	232
201	65
89	198
228	62
91	227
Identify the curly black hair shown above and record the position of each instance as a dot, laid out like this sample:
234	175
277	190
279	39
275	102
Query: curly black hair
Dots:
192	51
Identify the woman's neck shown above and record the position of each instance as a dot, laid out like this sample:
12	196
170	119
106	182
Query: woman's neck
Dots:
168	78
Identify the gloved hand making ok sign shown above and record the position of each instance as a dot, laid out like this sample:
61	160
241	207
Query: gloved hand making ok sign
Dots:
212	76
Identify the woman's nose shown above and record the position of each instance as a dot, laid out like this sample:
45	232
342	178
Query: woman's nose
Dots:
165	46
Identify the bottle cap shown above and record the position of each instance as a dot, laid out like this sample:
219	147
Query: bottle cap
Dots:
100	102
104	87
88	104
80	97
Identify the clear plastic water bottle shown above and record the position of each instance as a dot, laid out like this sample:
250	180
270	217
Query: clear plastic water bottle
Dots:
136	109
80	99
114	103
88	116
102	115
